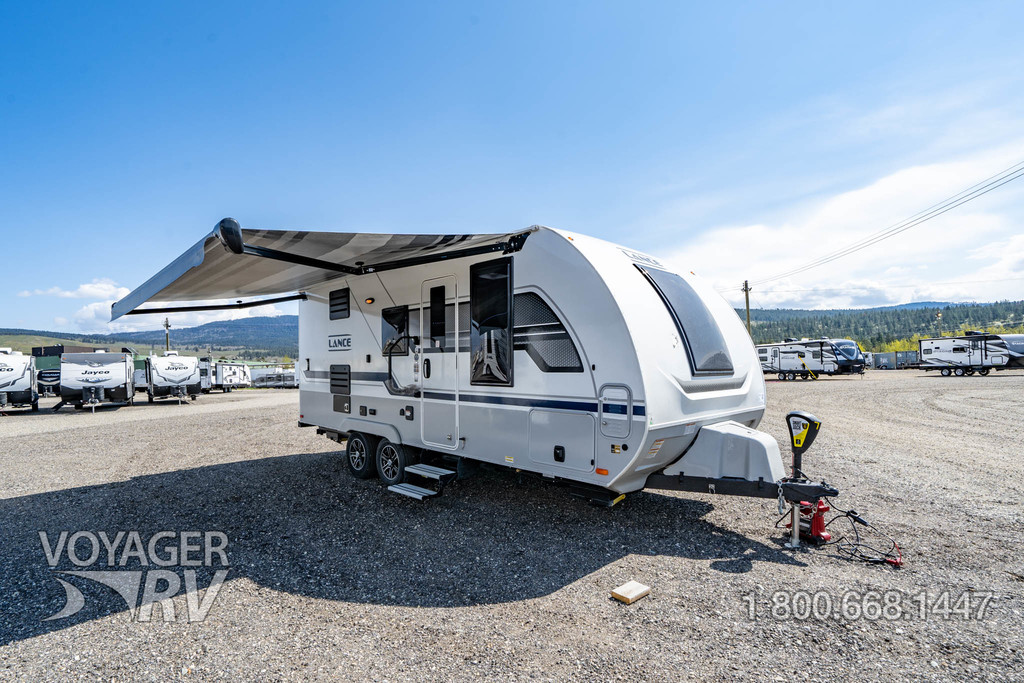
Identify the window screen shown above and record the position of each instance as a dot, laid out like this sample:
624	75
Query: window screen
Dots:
490	339
540	333
338	302
705	345
394	323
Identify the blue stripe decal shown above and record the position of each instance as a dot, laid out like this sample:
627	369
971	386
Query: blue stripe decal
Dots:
533	403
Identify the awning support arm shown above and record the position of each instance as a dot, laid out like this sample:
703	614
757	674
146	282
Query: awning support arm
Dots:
301	296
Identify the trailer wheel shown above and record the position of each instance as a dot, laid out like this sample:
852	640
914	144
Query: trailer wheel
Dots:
791	376
359	455
782	376
35	406
804	375
959	372
149	396
969	371
983	372
193	396
79	405
392	460
944	372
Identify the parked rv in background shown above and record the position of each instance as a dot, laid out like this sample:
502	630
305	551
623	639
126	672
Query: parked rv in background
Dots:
975	352
49	381
223	375
172	376
809	358
18	383
89	379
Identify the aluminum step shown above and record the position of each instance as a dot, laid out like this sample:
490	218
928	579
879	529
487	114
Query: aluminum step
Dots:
430	472
412	491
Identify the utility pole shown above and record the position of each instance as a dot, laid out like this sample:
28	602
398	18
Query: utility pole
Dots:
938	318
746	294
167	334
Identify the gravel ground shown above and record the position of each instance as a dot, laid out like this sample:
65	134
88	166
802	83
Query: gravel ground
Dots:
501	578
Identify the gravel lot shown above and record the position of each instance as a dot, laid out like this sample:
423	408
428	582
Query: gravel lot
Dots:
500	578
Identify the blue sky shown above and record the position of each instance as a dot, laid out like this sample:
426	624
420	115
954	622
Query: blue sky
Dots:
737	140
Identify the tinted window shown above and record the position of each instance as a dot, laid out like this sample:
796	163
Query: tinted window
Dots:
706	348
438	327
927	352
394	324
490	338
959	349
540	333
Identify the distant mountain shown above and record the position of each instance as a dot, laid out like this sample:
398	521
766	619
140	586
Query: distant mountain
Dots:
246	338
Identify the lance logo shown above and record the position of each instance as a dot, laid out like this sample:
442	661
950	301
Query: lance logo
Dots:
111	560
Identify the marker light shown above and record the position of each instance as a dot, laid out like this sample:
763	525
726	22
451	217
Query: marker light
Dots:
369	300
601	470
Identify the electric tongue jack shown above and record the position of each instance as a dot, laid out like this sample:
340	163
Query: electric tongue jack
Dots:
807	518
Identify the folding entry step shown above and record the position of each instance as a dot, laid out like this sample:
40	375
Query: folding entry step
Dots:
412	491
438	474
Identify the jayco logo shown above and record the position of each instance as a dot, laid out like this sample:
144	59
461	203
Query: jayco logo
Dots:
178	556
95	372
339	342
177	366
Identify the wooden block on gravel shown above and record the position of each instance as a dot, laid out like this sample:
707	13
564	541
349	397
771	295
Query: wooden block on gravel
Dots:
630	592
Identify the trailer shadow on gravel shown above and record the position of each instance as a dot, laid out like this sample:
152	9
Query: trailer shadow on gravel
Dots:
302	524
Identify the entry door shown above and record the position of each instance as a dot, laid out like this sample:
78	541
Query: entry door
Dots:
439	371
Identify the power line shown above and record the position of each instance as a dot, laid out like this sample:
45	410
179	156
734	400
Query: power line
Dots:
977	190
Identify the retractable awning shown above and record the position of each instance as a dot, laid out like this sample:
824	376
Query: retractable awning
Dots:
233	262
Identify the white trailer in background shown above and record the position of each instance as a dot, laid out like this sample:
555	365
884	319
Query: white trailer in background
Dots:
18	382
809	358
540	350
975	352
223	375
172	376
89	379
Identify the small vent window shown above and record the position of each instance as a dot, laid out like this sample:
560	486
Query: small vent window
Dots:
339	304
540	333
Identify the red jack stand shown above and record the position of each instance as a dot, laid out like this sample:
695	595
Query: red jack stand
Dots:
812	522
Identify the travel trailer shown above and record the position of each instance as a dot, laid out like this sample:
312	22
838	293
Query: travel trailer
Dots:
975	352
18	382
540	350
90	379
223	375
172	376
810	358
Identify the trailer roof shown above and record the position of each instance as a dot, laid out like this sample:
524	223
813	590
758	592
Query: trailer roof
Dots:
210	270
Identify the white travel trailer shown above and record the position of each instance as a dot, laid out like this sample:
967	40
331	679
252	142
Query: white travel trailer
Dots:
809	358
89	379
541	350
223	375
18	382
172	376
974	352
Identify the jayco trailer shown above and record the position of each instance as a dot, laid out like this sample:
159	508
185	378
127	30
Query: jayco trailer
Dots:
89	379
975	352
541	350
18	381
172	376
224	375
809	358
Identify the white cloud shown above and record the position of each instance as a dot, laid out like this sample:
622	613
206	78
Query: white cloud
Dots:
101	288
979	241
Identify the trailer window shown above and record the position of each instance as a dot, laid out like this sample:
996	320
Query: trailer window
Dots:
926	352
438	321
490	334
763	353
959	349
540	333
816	355
394	323
338	303
705	345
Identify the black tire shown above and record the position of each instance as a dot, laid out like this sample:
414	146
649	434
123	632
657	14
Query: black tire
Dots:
945	372
193	396
969	371
959	372
361	455
79	406
804	375
983	372
392	459
782	376
35	406
149	397
791	376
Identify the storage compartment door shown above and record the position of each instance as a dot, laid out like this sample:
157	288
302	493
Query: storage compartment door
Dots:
562	440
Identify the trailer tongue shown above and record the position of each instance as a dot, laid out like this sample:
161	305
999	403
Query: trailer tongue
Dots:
729	459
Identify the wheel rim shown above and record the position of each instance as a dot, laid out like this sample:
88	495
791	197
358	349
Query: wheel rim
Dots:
357	454
389	462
